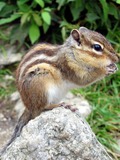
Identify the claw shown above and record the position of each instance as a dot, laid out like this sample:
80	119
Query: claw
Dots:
67	106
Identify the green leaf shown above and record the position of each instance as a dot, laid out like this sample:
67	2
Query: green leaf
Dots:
23	7
68	25
47	9
113	11
46	17
2	4
37	19
118	1
24	18
21	2
70	1
40	2
45	27
60	3
48	1
18	34
10	19
92	17
105	9
34	33
7	10
76	8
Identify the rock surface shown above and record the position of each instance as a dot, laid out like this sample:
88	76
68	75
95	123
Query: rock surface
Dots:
11	114
58	134
78	102
9	56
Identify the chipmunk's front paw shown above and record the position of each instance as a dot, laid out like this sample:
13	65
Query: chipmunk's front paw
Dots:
68	106
112	68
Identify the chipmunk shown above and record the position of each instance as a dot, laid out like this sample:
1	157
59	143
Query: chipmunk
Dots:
47	72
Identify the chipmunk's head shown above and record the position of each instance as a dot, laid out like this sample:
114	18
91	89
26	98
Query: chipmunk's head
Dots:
92	50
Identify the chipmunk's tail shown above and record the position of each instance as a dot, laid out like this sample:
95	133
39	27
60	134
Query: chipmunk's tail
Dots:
23	120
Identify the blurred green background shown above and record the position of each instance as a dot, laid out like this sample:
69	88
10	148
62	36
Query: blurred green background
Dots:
25	22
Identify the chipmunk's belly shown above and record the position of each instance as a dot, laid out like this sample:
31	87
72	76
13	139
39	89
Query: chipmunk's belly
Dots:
57	92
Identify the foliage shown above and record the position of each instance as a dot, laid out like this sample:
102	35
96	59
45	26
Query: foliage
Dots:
6	83
28	17
32	20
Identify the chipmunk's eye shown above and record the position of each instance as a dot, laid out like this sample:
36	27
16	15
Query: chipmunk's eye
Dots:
97	47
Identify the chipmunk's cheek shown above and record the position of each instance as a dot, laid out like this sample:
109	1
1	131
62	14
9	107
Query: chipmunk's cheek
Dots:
111	68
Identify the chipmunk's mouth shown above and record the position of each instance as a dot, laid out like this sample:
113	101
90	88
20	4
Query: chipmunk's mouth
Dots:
111	68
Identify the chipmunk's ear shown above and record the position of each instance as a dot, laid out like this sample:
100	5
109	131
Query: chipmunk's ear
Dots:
83	29
76	35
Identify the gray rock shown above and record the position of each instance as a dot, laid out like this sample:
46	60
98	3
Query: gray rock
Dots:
19	106
79	103
58	134
15	96
5	132
9	56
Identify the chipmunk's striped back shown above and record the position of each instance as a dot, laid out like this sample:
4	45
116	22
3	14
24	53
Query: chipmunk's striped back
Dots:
39	77
38	54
